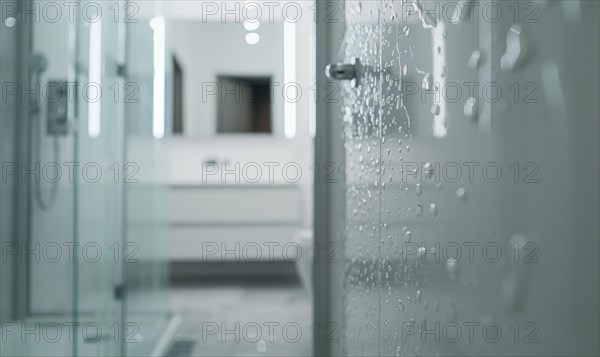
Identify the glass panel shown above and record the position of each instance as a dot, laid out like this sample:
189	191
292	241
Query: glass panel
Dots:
146	249
462	217
12	268
66	261
99	191
362	131
39	311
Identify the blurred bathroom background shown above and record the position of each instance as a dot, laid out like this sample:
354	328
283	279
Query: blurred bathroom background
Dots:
299	178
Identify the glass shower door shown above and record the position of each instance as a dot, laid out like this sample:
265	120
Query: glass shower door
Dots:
459	141
70	256
146	112
361	117
100	150
120	205
39	241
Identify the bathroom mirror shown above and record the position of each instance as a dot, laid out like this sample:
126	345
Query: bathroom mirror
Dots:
227	82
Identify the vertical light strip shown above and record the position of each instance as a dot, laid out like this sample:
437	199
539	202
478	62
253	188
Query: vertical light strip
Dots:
158	114
312	118
289	58
439	79
95	78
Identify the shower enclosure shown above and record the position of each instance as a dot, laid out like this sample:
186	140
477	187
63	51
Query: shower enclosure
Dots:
82	272
464	212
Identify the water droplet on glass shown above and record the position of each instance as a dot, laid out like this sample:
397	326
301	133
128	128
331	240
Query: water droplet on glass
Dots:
10	22
514	49
429	170
518	241
553	89
451	268
470	108
426	84
474	59
418	189
432	210
419	211
461	193
261	346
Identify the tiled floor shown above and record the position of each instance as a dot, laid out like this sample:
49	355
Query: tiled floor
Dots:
245	319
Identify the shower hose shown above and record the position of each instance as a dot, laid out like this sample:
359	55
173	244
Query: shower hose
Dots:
44	203
37	65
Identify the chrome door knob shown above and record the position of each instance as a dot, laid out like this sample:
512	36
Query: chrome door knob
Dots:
342	71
